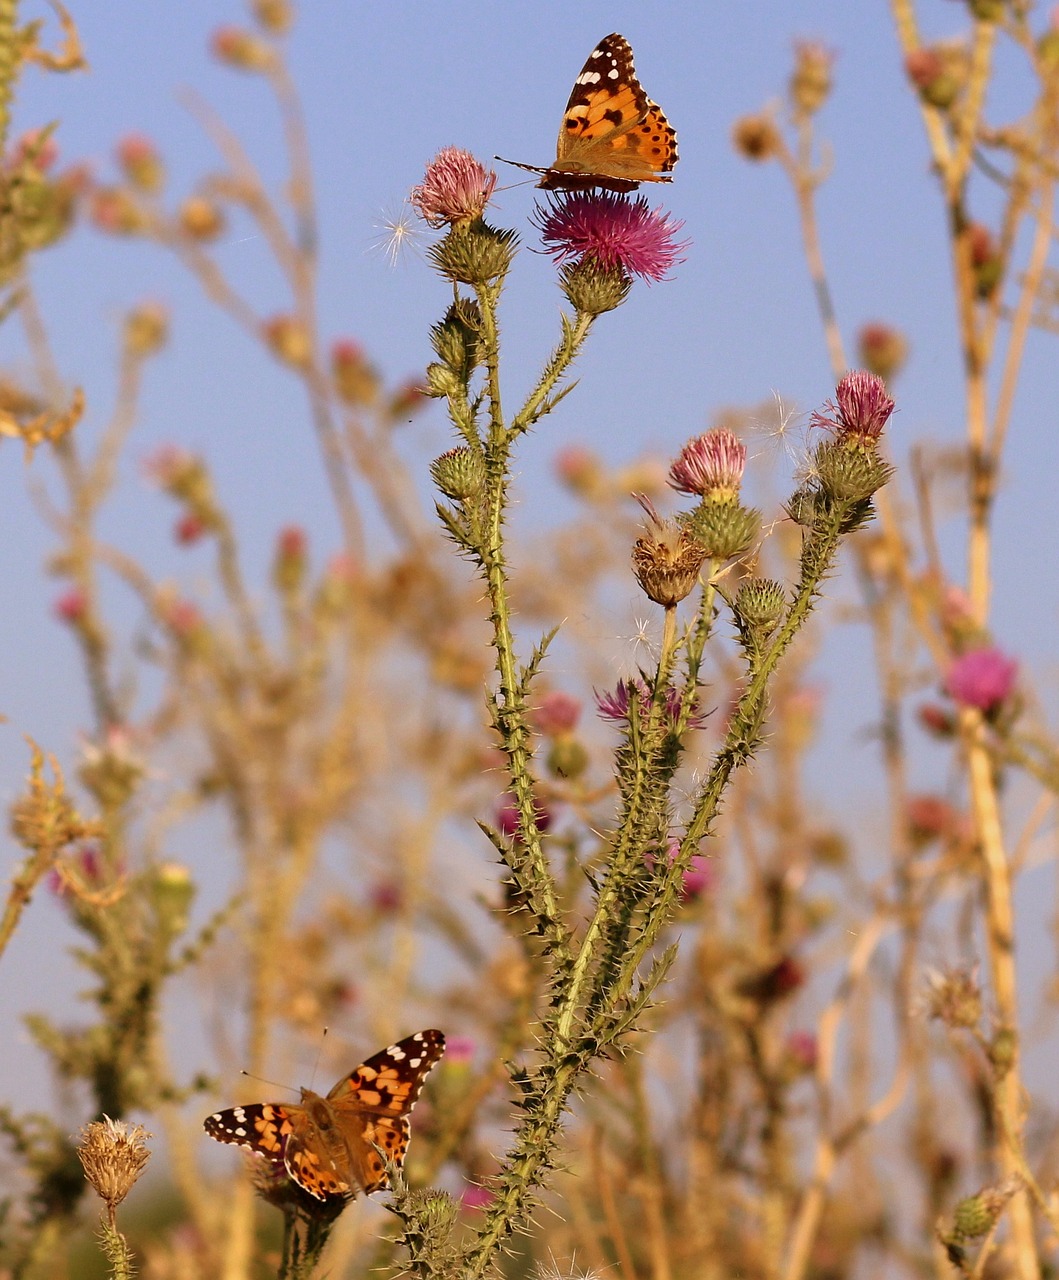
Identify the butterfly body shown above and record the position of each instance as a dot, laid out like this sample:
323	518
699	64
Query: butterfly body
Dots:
339	1144
612	136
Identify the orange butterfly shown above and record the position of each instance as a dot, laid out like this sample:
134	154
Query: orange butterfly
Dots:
334	1146
613	136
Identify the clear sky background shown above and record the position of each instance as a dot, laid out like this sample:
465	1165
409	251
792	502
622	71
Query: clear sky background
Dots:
384	87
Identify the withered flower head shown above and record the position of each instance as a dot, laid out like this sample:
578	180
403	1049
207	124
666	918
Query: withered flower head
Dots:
113	1155
666	559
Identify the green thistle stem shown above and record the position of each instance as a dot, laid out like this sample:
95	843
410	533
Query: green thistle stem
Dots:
10	57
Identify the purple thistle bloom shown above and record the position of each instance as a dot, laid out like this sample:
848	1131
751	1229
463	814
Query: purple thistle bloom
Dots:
711	465
982	678
611	230
614	705
455	189
862	410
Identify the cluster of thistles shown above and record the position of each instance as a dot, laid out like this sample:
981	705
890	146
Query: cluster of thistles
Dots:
600	240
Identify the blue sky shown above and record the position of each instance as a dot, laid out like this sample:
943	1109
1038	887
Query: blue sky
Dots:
385	87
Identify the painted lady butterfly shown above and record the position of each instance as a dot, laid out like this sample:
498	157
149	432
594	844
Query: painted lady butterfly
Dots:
329	1145
612	136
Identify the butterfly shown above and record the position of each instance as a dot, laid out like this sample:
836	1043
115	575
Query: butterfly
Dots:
612	136
331	1146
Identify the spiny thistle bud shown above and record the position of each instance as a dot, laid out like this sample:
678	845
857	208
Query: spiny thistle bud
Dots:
242	49
146	330
141	163
459	473
987	10
183	476
756	137
201	218
456	338
567	757
173	892
475	254
113	210
849	475
442	381
986	259
977	1215
592	288
289	340
1003	1051
953	997
455	191
804	506
725	531
113	1155
711	466
291	559
354	376
667	559
760	603
933	76
883	350
274	16
811	81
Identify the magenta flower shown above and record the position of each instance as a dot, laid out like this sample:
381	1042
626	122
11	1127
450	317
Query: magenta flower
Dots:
455	189
711	465
509	822
862	410
558	713
474	1196
698	876
982	678
459	1050
614	705
612	231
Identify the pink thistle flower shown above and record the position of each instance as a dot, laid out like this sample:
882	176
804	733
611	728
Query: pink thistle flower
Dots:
558	713
802	1050
387	898
459	1050
615	705
862	410
982	678
44	151
698	875
189	529
474	1196
71	606
509	822
711	465
612	231
455	189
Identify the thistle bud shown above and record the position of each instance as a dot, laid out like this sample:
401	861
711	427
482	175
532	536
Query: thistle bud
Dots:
987	262
811	81
289	340
274	16
353	374
593	288
459	473
474	255
456	339
849	475
977	1215
114	211
933	76
173	892
238	48
883	350
725	531
567	757
442	382
201	218
1003	1051
291	559
141	163
760	603
756	138
146	330
987	10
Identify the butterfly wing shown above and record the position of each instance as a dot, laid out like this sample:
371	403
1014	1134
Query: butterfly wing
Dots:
374	1101
612	136
262	1127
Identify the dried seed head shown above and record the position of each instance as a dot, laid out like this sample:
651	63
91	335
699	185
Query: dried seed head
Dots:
666	560
113	1155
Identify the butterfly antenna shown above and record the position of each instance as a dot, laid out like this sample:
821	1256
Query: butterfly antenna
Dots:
272	1084
319	1054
